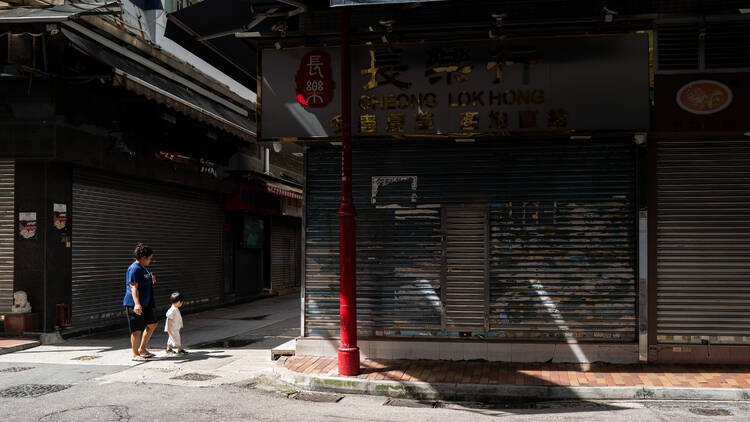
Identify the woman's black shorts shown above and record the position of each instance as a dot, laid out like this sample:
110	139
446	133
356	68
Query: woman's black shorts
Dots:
139	322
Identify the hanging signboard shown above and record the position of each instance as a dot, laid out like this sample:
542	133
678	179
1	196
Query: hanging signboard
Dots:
27	225
561	84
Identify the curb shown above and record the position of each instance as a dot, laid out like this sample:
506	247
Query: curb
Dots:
499	393
19	347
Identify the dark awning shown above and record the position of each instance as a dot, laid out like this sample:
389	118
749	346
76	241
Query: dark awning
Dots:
213	39
56	13
335	3
233	56
137	77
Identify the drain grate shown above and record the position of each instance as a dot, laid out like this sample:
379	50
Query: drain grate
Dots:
316	397
411	403
32	390
16	369
702	411
194	377
89	357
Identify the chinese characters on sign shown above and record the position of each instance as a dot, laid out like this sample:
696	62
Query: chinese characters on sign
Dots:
450	67
454	89
315	80
448	64
385	69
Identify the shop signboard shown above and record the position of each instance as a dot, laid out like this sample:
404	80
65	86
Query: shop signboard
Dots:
460	89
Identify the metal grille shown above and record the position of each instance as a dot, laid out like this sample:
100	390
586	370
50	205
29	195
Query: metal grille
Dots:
727	45
561	243
285	254
465	275
703	235
111	215
7	233
677	46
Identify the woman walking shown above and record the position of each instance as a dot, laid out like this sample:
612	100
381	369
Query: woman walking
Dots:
139	302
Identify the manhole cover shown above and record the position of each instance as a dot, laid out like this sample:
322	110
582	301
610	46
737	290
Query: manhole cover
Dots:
411	403
703	411
194	377
32	390
16	369
91	357
316	397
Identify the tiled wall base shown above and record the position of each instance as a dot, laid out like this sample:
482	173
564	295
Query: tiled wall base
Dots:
473	350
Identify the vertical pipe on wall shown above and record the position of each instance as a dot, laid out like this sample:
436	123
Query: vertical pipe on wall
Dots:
303	257
348	353
45	229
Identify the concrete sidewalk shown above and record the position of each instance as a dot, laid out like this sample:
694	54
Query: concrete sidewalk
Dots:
497	381
226	345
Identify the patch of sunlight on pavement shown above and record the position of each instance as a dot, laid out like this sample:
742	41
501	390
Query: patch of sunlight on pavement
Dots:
228	366
67	353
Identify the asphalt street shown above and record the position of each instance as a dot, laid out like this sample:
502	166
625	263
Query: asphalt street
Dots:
228	376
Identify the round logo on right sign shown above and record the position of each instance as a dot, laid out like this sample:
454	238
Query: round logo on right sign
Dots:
704	97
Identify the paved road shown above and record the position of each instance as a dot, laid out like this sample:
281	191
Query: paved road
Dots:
241	402
92	378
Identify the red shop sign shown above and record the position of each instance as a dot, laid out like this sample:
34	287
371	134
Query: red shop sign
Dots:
314	80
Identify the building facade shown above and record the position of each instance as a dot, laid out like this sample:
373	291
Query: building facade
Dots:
104	146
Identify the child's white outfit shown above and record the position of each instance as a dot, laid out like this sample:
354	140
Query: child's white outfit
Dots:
174	315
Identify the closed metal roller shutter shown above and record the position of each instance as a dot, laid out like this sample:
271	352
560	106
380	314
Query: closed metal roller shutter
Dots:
703	235
7	233
285	253
561	235
111	215
465	272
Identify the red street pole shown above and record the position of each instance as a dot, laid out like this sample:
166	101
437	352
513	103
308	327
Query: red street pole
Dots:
348	351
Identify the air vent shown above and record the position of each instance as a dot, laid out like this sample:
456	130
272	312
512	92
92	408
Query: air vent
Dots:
727	45
678	46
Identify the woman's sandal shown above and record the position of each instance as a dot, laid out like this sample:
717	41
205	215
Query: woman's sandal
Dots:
147	355
139	359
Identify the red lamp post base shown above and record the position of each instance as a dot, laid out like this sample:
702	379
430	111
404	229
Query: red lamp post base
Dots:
349	360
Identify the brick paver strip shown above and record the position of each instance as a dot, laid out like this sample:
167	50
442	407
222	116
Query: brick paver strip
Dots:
534	374
13	342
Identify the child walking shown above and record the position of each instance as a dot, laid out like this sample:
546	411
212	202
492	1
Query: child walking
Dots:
174	325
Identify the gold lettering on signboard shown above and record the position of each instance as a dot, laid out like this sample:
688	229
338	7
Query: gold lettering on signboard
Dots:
368	123
395	122
527	119
469	120
336	123
424	121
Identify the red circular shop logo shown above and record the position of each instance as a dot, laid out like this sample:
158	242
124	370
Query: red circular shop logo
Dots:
314	80
704	97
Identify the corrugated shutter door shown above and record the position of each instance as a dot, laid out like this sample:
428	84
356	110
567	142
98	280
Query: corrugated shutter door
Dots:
703	235
7	233
465	275
561	242
111	215
284	253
